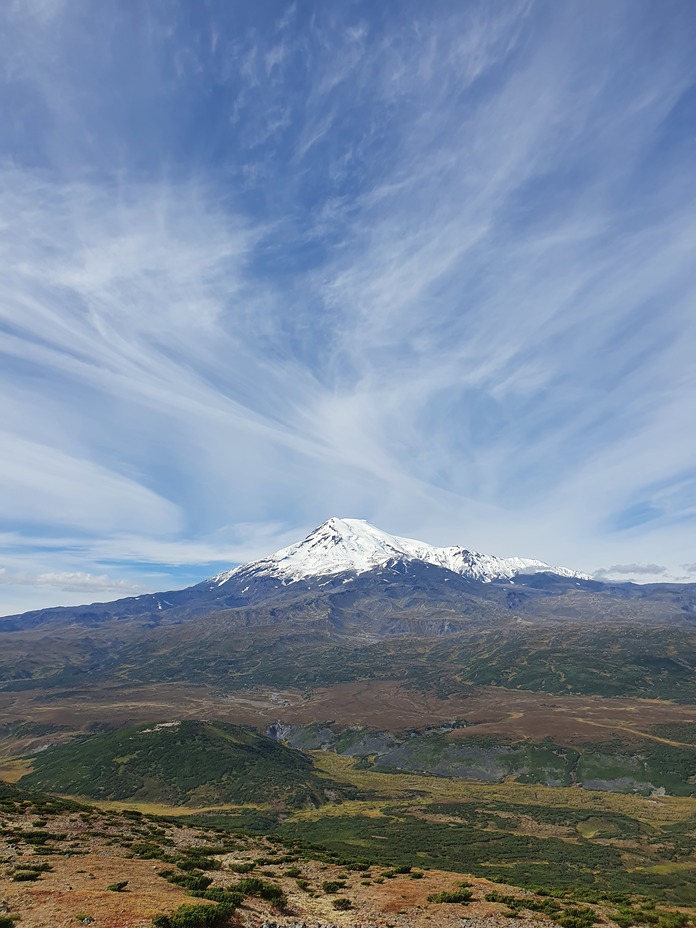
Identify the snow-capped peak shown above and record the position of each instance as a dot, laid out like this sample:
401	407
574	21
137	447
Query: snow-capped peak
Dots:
341	545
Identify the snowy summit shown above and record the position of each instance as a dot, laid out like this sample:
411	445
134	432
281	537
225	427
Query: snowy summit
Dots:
353	545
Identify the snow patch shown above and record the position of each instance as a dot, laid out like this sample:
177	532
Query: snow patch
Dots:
342	545
147	731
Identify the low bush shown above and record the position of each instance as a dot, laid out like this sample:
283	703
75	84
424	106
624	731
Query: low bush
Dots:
193	862
333	886
190	881
218	894
26	876
195	916
455	895
255	886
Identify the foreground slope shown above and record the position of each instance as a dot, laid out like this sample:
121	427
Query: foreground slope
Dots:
66	864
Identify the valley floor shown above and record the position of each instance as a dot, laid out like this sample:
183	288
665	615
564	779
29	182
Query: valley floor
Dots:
57	714
556	854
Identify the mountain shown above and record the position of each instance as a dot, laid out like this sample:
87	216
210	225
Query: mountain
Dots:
341	545
355	572
338	547
326	609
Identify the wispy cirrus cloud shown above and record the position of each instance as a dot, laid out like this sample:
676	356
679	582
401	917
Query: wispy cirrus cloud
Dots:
432	270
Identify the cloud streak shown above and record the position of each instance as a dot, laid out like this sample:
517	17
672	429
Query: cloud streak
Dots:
431	270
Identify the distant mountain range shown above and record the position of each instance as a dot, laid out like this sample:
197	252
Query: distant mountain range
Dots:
328	609
351	556
349	549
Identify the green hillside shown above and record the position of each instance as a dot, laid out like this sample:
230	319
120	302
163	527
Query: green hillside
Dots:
182	763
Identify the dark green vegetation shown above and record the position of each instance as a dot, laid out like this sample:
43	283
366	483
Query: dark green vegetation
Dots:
496	840
202	763
619	765
521	844
573	880
117	887
187	763
629	912
196	916
460	896
441	641
657	663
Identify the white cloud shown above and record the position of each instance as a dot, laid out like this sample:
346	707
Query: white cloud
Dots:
76	582
654	570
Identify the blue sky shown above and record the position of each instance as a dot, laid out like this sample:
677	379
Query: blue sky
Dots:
432	265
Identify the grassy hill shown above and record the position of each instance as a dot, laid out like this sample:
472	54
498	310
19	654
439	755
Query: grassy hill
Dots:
181	763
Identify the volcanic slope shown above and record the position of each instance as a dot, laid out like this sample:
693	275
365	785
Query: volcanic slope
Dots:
337	598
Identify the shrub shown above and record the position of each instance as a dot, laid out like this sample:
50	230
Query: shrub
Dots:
576	918
146	850
117	887
190	881
255	886
195	916
333	886
198	863
673	920
26	876
241	868
342	904
456	895
218	894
